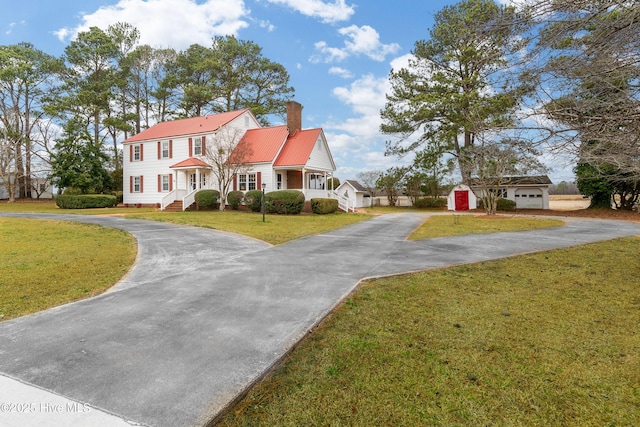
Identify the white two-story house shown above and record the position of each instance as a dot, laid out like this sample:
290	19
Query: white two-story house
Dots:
167	163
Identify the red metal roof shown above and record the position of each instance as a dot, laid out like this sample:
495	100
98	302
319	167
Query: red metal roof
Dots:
263	144
195	125
298	148
191	162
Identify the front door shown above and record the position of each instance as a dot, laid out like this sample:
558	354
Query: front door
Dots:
192	181
461	200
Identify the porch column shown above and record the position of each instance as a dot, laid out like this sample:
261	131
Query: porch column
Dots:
304	190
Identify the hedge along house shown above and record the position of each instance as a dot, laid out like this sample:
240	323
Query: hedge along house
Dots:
167	163
528	192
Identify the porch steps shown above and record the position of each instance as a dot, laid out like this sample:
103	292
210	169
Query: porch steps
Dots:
174	207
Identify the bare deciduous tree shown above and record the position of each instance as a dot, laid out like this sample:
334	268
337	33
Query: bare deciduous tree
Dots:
493	161
368	180
588	67
227	153
9	176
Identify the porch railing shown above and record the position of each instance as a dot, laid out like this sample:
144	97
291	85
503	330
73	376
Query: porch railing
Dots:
167	200
171	197
343	202
189	199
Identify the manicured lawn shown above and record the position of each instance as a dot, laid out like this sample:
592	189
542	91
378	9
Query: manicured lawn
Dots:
548	339
276	228
456	225
47	263
49	206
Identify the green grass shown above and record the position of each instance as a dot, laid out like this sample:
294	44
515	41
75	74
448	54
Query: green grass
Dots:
275	230
456	225
49	206
47	263
548	339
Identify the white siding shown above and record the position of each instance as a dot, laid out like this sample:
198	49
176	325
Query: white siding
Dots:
320	158
266	176
150	166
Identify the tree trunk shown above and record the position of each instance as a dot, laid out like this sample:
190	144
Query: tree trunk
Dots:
19	177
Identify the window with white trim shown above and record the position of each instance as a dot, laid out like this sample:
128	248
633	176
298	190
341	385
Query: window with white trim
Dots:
136	184
197	147
165	183
136	153
247	182
165	149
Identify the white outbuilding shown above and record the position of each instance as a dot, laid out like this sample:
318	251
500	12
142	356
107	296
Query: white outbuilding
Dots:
461	198
355	193
529	192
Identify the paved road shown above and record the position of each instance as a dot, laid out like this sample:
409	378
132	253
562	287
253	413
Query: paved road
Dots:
203	314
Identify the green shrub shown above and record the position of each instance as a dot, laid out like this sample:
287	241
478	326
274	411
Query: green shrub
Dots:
506	205
287	202
72	191
208	199
324	206
86	201
234	199
502	204
119	195
253	200
430	202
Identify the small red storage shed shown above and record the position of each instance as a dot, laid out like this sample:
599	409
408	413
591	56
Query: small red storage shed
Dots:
461	198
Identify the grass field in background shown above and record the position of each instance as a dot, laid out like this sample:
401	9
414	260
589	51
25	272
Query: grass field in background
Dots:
548	339
47	263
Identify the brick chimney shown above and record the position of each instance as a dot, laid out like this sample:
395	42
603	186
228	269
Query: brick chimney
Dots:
294	116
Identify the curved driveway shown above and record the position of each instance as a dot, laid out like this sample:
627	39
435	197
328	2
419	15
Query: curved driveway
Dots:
203	314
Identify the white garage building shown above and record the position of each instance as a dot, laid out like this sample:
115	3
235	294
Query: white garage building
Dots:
529	192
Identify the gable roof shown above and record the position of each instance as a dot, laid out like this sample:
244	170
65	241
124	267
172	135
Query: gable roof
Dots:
191	162
519	180
263	144
356	185
298	147
194	125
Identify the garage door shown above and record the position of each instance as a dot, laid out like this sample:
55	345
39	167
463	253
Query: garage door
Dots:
530	198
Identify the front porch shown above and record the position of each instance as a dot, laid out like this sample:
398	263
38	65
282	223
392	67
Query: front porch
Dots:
189	176
193	175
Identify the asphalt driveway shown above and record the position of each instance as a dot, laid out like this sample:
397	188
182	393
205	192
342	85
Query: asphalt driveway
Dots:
203	314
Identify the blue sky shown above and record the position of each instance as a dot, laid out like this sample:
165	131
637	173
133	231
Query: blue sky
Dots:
338	52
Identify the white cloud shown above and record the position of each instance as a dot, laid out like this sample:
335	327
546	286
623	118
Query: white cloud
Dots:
330	54
267	25
366	96
169	23
360	133
401	62
328	12
341	72
363	40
